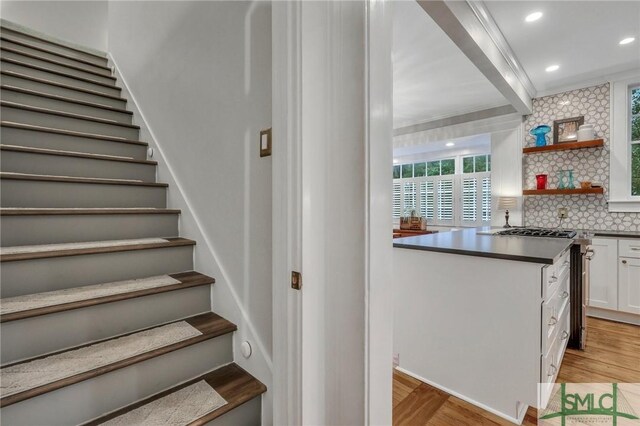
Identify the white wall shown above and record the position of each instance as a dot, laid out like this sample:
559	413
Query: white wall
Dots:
200	73
78	22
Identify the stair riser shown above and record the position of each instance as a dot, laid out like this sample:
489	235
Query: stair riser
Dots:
29	138
57	229
26	193
17	115
132	383
23	162
58	105
54	57
249	413
57	67
40	275
61	91
54	48
113	91
53	332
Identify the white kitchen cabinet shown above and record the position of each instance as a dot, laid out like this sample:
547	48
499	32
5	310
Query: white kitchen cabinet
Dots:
629	285
603	286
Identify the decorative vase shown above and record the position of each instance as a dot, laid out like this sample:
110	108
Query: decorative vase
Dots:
541	181
540	132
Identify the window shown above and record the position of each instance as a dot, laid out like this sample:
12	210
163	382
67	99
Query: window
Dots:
624	191
452	191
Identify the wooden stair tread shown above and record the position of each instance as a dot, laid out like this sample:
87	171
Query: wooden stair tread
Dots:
69	132
63	99
52	61
117	246
209	324
232	382
55	83
187	280
72	179
18	211
46	151
66	114
64	74
23	43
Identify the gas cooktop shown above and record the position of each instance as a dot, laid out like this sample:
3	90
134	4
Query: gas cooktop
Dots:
538	232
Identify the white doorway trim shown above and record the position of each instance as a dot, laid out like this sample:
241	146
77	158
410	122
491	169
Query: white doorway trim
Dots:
332	156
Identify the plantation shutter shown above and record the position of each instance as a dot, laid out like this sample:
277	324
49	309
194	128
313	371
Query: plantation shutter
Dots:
409	197
469	199
397	207
427	200
445	200
486	199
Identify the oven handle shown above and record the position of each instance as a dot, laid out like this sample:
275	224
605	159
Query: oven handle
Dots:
588	252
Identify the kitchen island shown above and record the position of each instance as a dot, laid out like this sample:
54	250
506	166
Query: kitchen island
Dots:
483	317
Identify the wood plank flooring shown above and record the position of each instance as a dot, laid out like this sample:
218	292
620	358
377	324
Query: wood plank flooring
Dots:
612	355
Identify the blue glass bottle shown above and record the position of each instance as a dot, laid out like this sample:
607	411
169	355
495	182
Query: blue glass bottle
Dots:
540	132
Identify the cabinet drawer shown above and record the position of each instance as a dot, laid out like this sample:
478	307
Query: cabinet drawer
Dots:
553	274
555	315
553	358
629	248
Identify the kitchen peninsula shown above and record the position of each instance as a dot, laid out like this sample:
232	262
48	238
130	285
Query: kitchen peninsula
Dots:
483	317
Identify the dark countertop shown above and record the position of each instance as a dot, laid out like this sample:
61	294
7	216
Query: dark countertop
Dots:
470	243
611	234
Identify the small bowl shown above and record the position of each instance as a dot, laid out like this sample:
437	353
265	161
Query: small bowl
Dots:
585	184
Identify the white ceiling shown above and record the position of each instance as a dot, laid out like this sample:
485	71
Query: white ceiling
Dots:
580	36
462	146
432	78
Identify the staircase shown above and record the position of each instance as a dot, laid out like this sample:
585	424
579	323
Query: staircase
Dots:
103	319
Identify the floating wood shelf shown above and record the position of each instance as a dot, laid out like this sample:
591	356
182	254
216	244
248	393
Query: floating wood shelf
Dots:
564	146
563	191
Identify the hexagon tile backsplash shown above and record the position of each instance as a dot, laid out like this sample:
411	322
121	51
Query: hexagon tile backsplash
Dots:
585	211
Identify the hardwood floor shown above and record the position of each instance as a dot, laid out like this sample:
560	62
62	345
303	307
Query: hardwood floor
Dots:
612	355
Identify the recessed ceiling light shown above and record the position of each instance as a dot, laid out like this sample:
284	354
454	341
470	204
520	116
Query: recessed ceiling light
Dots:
396	161
627	40
552	68
533	16
450	144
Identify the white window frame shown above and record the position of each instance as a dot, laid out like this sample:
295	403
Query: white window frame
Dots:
620	198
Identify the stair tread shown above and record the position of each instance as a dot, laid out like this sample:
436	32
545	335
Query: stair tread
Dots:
73	179
63	98
52	61
23	43
46	151
64	74
69	132
28	306
232	382
24	211
66	114
58	84
209	325
16	253
18	40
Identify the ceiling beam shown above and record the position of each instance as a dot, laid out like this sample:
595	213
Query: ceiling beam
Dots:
471	28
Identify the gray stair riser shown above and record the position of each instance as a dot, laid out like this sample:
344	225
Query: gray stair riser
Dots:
54	332
94	397
44	119
73	82
54	57
53	47
247	414
34	139
62	91
42	164
57	229
57	67
40	275
31	193
60	105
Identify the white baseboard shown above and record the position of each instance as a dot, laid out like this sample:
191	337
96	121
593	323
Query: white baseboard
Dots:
228	303
612	315
518	420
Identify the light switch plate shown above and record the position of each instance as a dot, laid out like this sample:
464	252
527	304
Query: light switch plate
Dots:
265	142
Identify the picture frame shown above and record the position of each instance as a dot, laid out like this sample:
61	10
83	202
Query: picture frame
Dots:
566	130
